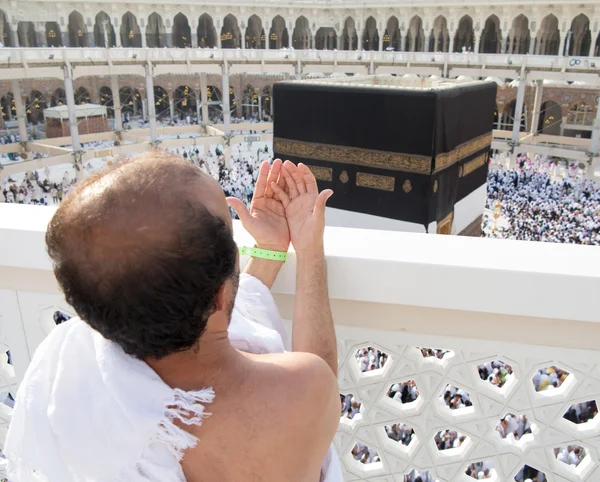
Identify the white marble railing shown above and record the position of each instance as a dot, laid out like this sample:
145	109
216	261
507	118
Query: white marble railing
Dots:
56	56
529	305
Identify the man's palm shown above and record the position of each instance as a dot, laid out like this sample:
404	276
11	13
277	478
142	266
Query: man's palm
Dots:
266	220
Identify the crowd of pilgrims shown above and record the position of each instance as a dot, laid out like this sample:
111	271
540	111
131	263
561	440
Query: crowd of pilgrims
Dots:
539	204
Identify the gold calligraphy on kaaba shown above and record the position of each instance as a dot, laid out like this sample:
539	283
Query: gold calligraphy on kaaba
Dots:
474	164
353	155
375	181
442	161
322	173
395	161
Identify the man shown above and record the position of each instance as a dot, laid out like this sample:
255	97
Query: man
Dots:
152	271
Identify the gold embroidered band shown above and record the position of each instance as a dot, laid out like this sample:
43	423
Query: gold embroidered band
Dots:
380	159
321	173
474	164
374	181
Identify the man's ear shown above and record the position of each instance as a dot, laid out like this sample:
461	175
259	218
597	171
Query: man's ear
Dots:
220	303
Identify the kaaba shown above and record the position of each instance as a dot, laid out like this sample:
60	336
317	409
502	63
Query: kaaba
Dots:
399	153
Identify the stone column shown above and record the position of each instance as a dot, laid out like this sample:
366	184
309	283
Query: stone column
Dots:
73	126
380	47
225	99
596	133
143	34
537	105
117	37
204	98
561	48
198	106
426	43
151	101
511	44
267	28
194	31
519	107
477	42
242	39
114	87
451	46
314	42
172	106
531	49
20	106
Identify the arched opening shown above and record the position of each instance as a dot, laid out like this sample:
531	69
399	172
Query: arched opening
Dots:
349	35
301	38
34	107
53	35
207	35
131	103
156	33
161	102
550	119
26	34
440	38
185	102
215	104
278	35
82	96
250	102
230	33
519	36
6	35
548	38
130	31
464	40
255	35
58	98
370	40
491	37
266	101
78	35
581	114
415	36
104	32
581	37
326	39
7	102
181	31
509	117
391	35
106	99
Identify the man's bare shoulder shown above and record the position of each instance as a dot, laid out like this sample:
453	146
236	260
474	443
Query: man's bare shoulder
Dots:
299	376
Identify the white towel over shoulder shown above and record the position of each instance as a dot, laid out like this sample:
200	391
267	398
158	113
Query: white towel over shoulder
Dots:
88	412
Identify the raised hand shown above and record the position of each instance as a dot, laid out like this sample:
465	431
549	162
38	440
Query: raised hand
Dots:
266	220
304	206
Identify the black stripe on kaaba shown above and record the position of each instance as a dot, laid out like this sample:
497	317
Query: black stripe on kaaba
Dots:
369	117
411	207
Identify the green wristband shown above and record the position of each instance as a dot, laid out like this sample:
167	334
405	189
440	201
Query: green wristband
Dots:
263	253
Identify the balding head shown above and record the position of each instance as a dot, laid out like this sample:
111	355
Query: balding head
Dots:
141	251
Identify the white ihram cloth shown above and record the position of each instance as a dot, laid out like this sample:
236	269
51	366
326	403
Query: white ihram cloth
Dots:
88	412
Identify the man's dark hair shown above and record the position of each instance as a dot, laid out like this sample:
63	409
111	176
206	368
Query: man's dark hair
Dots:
138	255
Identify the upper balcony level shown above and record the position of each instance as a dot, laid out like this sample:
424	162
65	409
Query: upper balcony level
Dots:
23	63
457	355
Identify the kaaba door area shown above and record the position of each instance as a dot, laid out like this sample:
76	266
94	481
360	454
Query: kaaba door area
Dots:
400	154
